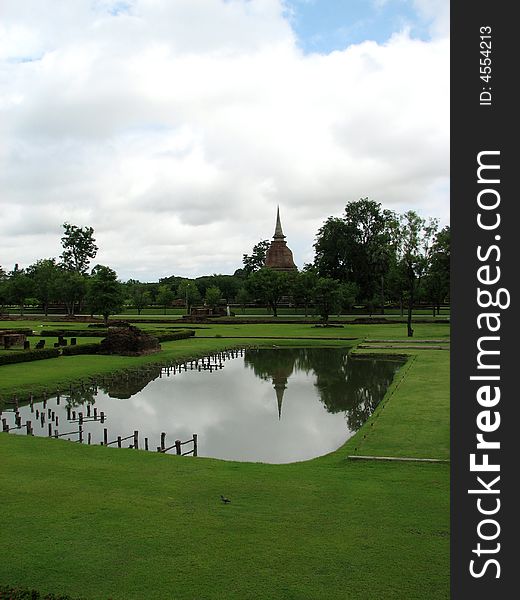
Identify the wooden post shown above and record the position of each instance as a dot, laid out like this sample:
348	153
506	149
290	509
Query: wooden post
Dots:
68	413
56	433
73	415
57	420
136	440
163	436
29	428
49	412
119	441
80	434
88	410
53	414
80	418
89	438
195	444
102	415
5	427
50	429
178	447
105	436
146	444
95	414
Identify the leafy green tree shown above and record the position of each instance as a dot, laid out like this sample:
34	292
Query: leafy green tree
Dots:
189	292
437	279
327	297
243	298
358	247
20	288
416	235
303	289
256	260
269	286
105	292
213	296
45	275
79	248
4	290
137	294
71	289
165	296
348	293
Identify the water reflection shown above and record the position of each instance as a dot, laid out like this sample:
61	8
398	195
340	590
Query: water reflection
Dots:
269	405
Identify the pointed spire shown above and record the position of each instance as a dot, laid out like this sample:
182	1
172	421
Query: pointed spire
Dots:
280	385
278	233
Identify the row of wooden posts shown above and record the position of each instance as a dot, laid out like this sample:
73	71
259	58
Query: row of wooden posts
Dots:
200	364
119	440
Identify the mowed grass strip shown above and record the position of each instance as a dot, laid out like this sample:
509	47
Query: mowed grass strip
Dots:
413	420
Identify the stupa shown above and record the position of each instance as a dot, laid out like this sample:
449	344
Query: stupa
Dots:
278	256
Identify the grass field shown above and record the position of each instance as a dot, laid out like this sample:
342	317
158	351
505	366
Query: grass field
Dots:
102	523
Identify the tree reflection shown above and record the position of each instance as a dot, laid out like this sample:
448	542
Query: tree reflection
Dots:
346	384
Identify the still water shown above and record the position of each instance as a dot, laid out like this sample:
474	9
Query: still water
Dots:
267	405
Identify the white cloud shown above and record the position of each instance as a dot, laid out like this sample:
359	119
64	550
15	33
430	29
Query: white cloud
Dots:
175	128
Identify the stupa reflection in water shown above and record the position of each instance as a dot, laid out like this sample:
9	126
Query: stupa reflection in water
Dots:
354	385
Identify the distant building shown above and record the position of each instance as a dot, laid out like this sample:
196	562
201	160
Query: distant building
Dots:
279	257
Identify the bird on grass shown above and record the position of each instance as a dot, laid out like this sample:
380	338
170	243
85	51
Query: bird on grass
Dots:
224	499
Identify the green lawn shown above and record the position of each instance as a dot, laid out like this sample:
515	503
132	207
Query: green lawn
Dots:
103	523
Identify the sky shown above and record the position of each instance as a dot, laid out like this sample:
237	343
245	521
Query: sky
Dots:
176	127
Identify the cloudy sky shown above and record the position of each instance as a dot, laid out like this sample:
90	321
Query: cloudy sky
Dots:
175	127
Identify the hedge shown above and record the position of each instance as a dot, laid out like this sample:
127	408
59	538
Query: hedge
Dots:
170	336
8	592
28	356
73	333
81	349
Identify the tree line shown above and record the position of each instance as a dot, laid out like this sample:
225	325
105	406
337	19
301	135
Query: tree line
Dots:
368	256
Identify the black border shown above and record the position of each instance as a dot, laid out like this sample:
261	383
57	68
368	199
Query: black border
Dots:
476	128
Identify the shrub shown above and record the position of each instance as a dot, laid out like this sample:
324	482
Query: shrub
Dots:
81	349
170	336
28	356
15	593
74	333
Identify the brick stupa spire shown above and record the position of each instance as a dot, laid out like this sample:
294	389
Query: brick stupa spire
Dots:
279	257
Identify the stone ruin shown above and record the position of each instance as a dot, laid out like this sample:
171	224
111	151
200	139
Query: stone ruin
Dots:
129	341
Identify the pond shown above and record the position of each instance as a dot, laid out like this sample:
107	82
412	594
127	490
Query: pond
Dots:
275	405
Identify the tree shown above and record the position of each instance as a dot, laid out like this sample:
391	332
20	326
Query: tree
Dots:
327	297
45	275
165	296
256	260
243	298
138	295
71	289
79	248
105	292
189	292
437	280
4	290
348	294
19	287
269	286
415	242
213	296
303	289
358	247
